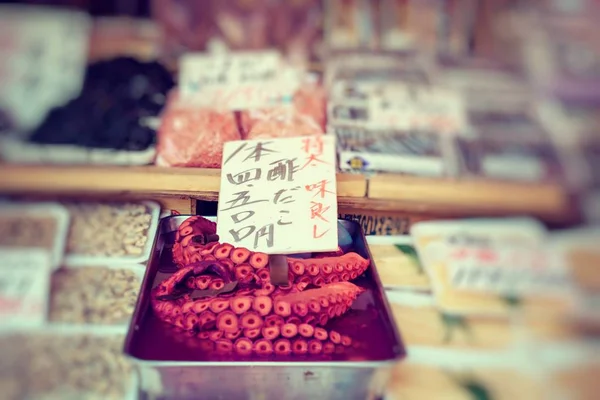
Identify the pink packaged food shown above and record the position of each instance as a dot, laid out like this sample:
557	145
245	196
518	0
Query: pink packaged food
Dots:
306	115
311	100
278	122
193	137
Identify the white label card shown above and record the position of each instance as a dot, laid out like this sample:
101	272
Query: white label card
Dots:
279	196
506	270
43	55
236	81
418	107
24	287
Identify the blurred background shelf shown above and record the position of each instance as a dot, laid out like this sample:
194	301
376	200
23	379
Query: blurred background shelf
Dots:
383	193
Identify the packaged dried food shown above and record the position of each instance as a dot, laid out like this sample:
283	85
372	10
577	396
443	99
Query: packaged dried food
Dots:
94	295
511	158
107	123
43	225
278	122
411	152
194	137
58	365
111	233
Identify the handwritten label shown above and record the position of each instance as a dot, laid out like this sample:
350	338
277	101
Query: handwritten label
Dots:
236	81
43	55
412	107
505	269
24	287
279	196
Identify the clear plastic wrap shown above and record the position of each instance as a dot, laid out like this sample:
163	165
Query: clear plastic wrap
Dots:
195	137
278	122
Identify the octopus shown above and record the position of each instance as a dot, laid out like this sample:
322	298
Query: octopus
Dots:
223	295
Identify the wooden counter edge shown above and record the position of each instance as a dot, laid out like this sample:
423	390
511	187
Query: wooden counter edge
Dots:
195	182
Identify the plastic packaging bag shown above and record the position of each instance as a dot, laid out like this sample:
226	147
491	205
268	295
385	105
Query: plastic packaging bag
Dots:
278	122
194	137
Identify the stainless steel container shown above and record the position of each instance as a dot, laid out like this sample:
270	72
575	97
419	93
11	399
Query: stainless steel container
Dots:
170	366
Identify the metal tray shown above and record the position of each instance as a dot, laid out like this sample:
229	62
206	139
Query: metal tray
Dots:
171	367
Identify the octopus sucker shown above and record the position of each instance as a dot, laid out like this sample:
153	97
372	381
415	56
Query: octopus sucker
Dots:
297	268
294	319
259	260
315	346
283	347
233	335
262	305
289	330
264	274
240	255
227	321
215	335
273	320
329	348
252	333
251	320
219	305
202	282
241	304
253	316
320	334
306	330
271	332
222	251
217	284
223	345
300	346
263	347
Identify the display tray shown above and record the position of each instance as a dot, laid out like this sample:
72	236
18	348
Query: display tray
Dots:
43	225
75	259
13	150
172	364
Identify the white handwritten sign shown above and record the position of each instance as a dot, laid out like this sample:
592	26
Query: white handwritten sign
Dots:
279	196
24	287
43	54
507	270
418	107
236	81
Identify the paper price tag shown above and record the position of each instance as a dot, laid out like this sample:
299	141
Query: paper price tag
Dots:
405	107
506	270
236	81
279	196
43	54
24	287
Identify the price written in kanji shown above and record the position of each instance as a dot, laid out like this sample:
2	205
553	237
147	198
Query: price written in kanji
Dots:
24	287
279	196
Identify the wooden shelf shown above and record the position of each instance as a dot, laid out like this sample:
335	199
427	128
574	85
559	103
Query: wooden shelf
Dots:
385	193
199	183
469	197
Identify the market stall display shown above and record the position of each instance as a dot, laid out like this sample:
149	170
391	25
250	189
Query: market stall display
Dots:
223	307
35	225
64	365
94	295
111	232
423	109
